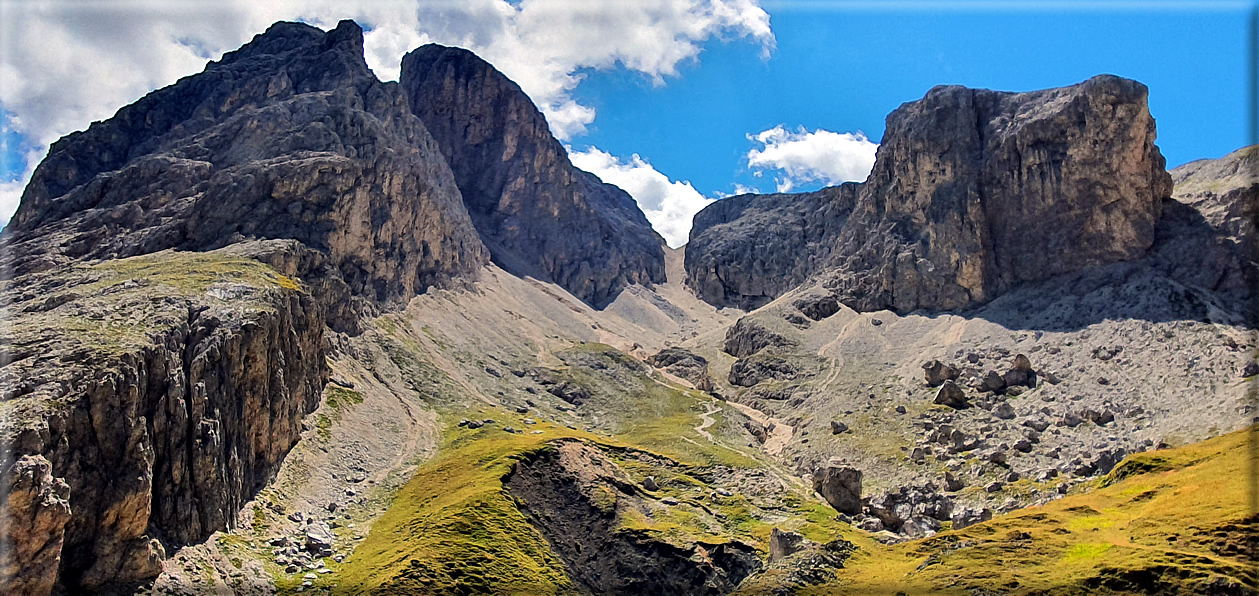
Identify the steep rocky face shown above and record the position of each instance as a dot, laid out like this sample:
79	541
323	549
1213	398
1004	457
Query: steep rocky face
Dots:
146	400
973	192
976	191
290	136
747	250
1212	216
536	212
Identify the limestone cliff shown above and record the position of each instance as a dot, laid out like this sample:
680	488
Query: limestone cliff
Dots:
538	213
145	401
148	397
972	193
976	191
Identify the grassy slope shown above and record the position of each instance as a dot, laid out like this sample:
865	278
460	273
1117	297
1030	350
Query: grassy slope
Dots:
1165	521
454	529
1162	521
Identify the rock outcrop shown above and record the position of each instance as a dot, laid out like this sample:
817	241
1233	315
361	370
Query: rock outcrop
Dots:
748	336
146	399
973	192
748	249
576	497
841	487
686	365
976	191
291	136
537	212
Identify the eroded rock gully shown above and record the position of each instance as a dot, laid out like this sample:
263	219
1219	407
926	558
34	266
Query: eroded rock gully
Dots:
578	499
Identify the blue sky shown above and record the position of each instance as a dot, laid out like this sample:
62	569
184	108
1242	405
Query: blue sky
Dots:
677	101
844	68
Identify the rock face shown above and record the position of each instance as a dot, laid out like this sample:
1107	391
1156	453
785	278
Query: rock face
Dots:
34	515
972	193
291	136
840	486
747	372
158	422
746	250
536	212
747	337
1212	215
976	191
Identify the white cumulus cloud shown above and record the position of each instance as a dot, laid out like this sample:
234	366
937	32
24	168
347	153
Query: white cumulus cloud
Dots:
669	205
802	156
64	64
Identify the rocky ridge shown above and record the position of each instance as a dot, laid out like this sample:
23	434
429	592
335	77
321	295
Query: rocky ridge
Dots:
290	136
746	250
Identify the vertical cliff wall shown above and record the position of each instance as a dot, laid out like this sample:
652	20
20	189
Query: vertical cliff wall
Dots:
538	213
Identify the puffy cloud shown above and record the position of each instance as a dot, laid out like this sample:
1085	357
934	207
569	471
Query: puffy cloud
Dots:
11	190
804	156
669	206
64	64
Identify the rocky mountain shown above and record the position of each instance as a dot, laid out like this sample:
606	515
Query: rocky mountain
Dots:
290	136
254	343
536	212
972	193
1213	216
748	249
150	395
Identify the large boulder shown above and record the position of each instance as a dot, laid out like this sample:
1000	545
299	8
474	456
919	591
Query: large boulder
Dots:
784	544
950	394
935	373
841	487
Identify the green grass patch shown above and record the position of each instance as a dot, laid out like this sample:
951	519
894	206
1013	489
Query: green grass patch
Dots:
454	530
1086	551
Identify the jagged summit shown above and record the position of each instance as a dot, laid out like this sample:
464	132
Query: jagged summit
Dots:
538	213
289	137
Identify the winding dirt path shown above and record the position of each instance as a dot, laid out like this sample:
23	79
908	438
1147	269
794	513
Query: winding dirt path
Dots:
778	437
708	420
